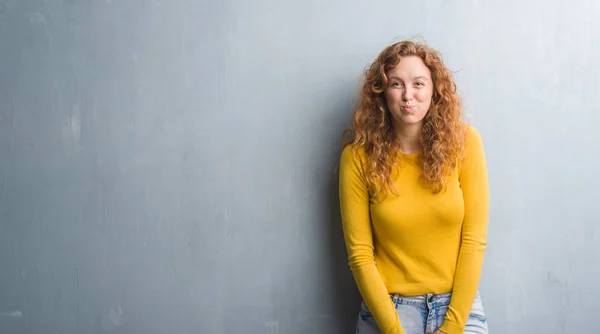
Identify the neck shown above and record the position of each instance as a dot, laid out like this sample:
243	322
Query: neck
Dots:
408	137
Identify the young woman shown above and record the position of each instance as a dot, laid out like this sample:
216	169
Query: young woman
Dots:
414	199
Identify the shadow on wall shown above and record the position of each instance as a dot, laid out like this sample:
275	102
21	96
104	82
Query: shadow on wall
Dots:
344	293
343	288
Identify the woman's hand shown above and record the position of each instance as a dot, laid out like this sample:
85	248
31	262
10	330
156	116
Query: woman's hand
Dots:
439	332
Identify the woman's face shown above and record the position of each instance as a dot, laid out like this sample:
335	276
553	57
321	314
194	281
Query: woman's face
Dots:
409	92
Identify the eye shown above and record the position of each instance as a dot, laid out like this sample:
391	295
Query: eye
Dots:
420	84
396	84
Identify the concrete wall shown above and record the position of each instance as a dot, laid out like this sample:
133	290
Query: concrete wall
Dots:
167	166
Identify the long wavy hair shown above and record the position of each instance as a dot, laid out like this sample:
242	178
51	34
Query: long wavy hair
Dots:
443	134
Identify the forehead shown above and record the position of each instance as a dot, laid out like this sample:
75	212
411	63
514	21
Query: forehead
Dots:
410	67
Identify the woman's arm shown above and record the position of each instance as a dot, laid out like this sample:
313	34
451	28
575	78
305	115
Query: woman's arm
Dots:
356	222
474	184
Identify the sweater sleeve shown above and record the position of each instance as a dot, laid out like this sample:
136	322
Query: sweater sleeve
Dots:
474	184
356	223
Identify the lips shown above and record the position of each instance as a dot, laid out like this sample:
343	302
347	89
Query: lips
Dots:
408	108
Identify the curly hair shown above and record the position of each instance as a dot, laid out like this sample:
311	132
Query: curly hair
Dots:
442	137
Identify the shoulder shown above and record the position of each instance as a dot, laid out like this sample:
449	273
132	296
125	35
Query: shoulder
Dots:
353	152
474	152
471	132
353	156
473	139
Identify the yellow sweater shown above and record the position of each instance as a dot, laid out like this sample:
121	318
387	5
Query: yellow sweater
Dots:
417	242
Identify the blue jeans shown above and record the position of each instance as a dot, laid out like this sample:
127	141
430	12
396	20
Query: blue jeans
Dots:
424	315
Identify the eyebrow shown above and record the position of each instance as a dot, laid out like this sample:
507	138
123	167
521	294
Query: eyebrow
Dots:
419	77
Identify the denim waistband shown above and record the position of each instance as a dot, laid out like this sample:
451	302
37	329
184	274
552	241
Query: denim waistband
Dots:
432	299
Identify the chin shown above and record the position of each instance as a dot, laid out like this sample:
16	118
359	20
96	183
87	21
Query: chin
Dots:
412	120
408	119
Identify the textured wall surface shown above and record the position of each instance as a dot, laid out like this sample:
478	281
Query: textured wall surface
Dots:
168	166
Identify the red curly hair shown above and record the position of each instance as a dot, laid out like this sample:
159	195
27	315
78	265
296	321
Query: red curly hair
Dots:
443	134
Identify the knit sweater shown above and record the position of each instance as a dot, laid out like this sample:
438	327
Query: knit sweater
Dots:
416	242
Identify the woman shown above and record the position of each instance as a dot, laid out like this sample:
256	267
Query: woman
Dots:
414	199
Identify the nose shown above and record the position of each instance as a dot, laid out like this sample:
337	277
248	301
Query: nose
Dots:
407	94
